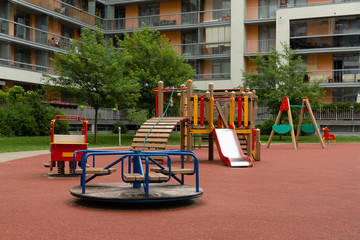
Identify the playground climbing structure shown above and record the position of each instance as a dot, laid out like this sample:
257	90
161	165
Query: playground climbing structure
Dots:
205	112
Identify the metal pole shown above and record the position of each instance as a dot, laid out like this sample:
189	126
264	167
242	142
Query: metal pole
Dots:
119	136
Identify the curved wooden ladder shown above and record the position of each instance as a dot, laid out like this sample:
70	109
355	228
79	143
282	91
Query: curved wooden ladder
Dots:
159	135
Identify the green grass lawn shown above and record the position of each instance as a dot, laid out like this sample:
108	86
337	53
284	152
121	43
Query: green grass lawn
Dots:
14	144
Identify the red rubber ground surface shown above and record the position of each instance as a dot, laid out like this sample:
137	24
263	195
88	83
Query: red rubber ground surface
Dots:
309	193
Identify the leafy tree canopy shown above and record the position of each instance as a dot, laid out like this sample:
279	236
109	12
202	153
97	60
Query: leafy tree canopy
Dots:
278	75
94	71
149	59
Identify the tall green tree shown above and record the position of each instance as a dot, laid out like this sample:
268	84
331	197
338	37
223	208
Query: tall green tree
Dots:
93	70
281	74
149	59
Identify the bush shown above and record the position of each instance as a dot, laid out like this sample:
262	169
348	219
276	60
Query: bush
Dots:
121	124
25	119
138	116
266	126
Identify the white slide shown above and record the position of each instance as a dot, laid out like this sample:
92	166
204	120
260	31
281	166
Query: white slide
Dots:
229	148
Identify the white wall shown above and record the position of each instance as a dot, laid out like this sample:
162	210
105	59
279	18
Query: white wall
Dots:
285	15
238	35
19	75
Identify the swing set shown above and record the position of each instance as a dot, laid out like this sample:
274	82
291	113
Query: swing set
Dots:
306	128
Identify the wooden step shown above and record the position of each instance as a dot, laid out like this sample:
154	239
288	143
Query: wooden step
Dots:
137	177
173	170
96	170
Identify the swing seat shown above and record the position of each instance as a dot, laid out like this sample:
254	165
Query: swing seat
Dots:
282	129
308	128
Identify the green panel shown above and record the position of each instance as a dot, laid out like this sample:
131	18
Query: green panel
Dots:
282	129
308	128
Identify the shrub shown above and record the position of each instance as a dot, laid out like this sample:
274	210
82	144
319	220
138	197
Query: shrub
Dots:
120	124
137	116
266	126
24	119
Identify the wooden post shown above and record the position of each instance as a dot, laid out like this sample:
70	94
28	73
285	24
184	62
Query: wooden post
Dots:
189	90
272	131
250	116
182	124
292	126
211	110
257	145
232	109
301	117
307	103
160	99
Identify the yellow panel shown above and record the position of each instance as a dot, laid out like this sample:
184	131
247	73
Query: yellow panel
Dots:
68	154
243	131
202	131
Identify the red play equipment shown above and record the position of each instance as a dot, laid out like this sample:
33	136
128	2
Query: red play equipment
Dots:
328	136
62	147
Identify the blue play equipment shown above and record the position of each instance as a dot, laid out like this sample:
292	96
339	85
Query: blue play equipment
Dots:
138	184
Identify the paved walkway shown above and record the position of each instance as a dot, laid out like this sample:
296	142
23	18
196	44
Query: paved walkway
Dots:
8	156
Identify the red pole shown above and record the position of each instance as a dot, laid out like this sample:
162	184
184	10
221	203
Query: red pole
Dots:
202	110
239	111
156	104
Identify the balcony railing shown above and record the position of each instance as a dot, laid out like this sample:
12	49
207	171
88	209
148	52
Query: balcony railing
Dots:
212	76
260	46
89	112
77	13
269	12
68	10
169	20
24	32
25	66
334	76
325	2
202	49
263	12
328	41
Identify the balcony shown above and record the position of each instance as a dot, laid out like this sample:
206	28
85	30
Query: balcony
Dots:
326	41
325	2
333	78
33	36
212	76
170	21
259	46
263	13
25	66
62	9
204	50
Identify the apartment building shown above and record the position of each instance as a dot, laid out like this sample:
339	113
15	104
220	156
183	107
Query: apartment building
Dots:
217	37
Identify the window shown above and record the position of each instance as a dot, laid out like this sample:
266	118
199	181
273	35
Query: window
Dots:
148	14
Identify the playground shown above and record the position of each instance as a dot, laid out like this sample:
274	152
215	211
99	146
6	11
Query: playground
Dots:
150	190
308	193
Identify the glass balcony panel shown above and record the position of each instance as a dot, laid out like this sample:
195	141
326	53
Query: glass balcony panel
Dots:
212	76
263	12
351	75
198	49
179	19
335	41
30	34
261	46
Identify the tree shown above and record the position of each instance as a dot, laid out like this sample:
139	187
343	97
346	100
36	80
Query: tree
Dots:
278	75
150	59
94	71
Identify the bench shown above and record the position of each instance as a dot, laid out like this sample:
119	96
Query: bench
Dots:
137	177
96	170
173	170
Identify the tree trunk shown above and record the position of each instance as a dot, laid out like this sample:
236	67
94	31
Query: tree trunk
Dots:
95	127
